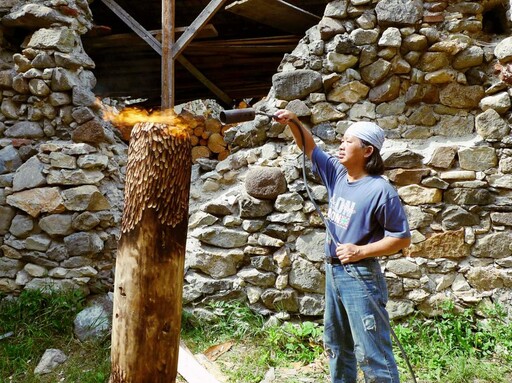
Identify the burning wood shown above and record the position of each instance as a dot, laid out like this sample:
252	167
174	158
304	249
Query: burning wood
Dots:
206	134
150	260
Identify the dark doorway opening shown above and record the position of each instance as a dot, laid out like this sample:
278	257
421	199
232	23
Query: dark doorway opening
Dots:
495	20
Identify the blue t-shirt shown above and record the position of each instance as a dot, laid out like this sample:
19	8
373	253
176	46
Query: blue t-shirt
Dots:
360	212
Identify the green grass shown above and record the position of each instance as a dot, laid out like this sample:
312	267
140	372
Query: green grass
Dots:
42	320
456	347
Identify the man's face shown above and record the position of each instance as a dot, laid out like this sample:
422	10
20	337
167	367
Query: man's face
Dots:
352	152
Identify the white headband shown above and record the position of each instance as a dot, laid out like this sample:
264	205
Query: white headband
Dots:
367	131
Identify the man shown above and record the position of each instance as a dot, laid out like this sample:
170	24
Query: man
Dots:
365	220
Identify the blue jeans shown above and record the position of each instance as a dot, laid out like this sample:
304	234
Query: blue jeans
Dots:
355	333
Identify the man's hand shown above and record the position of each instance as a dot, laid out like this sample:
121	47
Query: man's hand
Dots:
349	253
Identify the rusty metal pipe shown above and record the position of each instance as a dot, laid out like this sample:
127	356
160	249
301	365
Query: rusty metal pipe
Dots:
240	115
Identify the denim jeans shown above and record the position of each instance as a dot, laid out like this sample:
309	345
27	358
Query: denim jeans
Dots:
355	333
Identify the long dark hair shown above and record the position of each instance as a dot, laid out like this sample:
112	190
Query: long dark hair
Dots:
374	164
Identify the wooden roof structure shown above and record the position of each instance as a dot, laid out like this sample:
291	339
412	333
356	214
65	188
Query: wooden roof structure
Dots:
173	51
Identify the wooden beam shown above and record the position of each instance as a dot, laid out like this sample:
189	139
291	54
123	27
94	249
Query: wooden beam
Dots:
275	13
131	39
191	370
134	25
210	85
168	26
194	28
157	46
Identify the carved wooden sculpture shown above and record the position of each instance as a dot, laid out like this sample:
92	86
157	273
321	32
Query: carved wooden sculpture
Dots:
150	260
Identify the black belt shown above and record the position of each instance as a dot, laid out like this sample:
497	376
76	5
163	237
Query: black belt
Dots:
333	261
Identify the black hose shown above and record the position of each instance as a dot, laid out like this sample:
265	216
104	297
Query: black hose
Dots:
333	238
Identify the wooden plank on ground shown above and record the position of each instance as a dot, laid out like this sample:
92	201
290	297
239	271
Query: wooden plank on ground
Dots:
275	13
191	370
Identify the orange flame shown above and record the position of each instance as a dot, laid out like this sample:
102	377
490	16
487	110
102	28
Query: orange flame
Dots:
132	116
126	118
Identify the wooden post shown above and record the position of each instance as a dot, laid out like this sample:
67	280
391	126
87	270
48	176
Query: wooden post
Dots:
168	16
150	260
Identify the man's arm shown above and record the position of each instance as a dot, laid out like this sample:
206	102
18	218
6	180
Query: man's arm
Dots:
300	133
348	253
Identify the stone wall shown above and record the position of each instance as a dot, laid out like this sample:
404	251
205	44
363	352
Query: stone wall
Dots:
61	167
437	82
434	75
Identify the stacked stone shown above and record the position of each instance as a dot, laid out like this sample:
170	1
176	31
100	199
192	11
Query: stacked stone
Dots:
60	168
407	66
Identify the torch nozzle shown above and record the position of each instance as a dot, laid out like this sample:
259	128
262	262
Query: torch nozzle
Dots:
240	115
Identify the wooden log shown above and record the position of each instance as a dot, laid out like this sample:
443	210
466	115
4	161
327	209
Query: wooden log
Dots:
213	125
198	131
200	152
223	155
151	254
194	140
216	143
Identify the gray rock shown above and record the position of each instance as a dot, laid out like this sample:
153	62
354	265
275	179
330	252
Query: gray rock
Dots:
296	84
443	157
10	160
455	217
57	224
34	16
94	321
500	102
304	276
6	216
399	12
50	360
501	181
63	80
336	9
461	96
62	39
311	246
74	177
38	242
29	175
478	158
399	309
281	300
21	226
402	159
257	278
25	129
312	305
9	267
36	201
222	237
83	244
460	196
490	125
503	50
265	183
212	261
